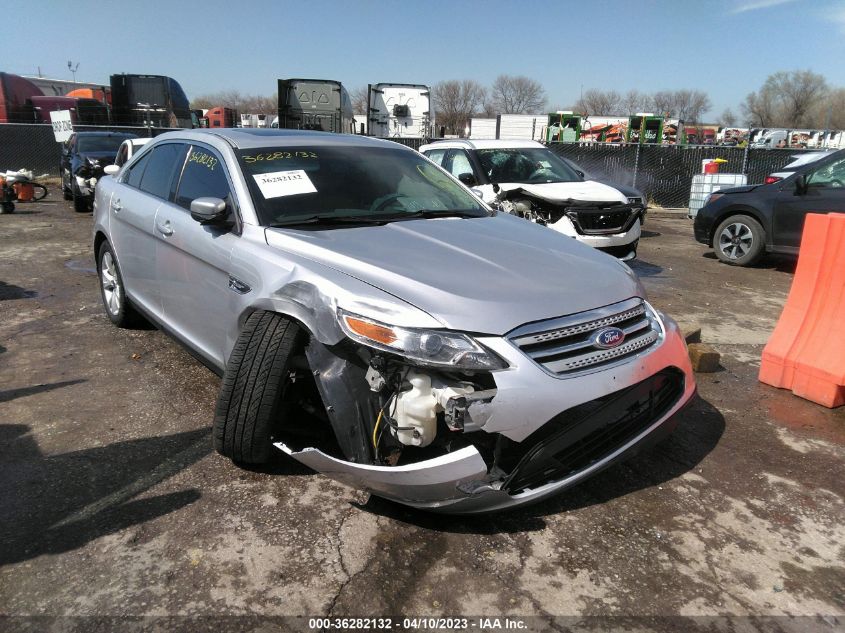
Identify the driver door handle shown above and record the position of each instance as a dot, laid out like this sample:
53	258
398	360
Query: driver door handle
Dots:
164	228
115	206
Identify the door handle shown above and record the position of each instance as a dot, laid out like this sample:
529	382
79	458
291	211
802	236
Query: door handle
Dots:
115	206
165	228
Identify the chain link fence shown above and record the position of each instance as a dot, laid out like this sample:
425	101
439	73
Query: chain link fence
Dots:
33	146
664	172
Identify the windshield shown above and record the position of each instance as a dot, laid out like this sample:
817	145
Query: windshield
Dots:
291	184
527	165
99	143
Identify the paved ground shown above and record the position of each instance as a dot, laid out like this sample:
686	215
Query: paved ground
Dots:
112	501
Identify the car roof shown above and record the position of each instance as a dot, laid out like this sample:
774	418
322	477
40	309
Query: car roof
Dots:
805	159
482	144
248	138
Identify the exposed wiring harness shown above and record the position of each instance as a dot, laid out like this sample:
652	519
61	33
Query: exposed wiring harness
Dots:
389	418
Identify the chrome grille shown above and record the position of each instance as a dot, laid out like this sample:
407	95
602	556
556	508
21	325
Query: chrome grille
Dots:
566	345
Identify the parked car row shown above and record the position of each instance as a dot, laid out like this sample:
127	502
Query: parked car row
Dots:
375	319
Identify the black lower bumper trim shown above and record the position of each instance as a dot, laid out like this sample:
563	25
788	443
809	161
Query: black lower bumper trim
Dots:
588	433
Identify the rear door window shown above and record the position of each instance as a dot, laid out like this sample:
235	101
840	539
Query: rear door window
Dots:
203	176
161	168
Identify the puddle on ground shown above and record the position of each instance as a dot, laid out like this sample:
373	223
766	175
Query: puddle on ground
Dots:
804	417
81	266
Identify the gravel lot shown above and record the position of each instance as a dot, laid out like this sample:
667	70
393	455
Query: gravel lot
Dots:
112	502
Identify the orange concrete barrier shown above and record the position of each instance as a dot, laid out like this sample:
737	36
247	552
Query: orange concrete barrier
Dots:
806	352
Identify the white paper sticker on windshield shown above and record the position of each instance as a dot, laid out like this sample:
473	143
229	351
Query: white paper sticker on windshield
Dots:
284	183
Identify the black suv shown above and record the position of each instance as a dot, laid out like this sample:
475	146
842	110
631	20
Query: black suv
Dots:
84	156
743	223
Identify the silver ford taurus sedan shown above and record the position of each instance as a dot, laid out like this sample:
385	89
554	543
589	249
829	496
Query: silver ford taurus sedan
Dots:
375	320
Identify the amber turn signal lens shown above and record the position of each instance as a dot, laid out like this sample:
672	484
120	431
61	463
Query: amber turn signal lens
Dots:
377	333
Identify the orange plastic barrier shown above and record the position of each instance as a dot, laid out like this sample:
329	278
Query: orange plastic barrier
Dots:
806	352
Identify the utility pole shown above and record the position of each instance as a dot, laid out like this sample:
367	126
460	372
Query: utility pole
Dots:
73	69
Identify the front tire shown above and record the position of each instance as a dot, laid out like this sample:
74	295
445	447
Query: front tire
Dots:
251	404
739	240
118	308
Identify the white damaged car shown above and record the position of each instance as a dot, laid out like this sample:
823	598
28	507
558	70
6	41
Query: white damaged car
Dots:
527	179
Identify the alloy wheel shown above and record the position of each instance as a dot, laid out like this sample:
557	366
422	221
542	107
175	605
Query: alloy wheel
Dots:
736	240
112	293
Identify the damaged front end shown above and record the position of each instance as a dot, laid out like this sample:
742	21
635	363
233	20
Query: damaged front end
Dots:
388	389
611	226
444	421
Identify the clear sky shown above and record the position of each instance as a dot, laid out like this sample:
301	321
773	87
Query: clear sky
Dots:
724	47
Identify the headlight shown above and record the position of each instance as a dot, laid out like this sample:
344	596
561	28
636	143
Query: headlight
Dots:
438	348
712	198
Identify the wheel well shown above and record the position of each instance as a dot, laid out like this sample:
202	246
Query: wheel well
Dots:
751	213
99	238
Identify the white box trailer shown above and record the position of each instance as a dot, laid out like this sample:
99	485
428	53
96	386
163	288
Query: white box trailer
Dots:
512	127
482	128
399	110
833	139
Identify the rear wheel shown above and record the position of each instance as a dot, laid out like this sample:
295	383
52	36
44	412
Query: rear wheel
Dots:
739	240
118	307
252	402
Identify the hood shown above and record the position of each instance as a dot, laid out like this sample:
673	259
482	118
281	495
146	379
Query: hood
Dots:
486	275
744	189
580	191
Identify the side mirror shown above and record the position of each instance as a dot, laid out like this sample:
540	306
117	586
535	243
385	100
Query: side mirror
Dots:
468	179
209	210
800	184
477	192
579	172
111	170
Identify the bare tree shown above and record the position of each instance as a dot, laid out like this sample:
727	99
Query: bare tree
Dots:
455	101
599	102
634	101
488	109
799	91
787	99
360	98
727	118
251	104
760	108
687	105
517	95
829	114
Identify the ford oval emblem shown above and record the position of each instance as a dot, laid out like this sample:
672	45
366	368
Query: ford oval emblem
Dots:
608	337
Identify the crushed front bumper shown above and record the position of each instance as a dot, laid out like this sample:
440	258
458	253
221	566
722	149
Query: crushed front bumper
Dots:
528	397
622	245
